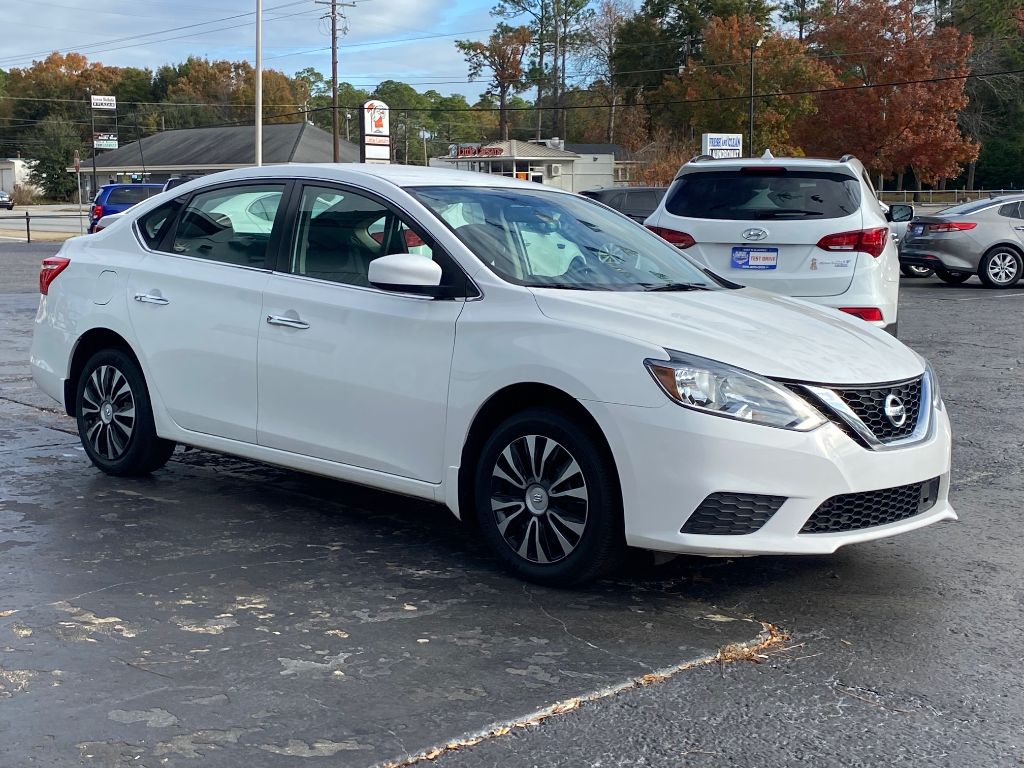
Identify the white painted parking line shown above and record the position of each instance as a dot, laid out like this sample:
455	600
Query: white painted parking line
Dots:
1003	296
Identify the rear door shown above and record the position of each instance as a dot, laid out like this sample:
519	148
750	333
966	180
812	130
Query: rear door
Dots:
761	226
1014	212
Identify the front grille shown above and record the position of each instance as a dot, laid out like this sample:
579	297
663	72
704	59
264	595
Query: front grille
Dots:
869	405
855	511
732	514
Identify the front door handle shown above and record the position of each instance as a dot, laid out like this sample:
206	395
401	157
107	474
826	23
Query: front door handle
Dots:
147	298
288	322
1020	228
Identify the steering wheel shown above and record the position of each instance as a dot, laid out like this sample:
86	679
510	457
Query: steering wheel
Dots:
614	254
579	268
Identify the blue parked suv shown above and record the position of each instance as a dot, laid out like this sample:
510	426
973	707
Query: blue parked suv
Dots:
115	198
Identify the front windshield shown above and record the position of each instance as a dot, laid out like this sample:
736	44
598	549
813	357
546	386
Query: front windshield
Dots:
546	239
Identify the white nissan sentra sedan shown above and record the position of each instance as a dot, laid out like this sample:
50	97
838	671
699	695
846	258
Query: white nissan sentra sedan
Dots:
544	366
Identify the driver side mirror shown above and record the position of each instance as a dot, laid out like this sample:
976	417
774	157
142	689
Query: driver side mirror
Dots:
406	273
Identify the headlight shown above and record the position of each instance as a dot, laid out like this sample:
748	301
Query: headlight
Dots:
719	389
933	380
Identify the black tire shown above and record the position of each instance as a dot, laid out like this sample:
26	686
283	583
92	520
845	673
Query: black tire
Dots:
1001	267
913	270
543	524
953	278
115	417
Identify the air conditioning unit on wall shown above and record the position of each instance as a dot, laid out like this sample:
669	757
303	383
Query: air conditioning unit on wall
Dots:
555	169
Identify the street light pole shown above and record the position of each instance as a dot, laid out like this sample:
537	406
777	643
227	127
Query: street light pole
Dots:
750	129
259	82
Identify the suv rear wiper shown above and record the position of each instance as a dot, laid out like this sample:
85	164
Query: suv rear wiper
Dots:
787	212
675	287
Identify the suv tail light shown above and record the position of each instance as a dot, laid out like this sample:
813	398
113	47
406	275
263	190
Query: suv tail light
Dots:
952	226
864	240
678	239
51	267
871	314
97	212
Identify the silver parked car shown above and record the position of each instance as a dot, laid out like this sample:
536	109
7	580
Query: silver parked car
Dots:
983	238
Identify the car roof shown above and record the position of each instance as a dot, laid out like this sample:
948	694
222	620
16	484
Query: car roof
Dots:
704	163
399	175
130	184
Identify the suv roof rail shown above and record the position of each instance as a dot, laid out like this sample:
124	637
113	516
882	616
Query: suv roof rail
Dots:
701	158
847	158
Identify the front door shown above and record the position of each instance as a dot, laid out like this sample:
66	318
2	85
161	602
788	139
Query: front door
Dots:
194	303
347	372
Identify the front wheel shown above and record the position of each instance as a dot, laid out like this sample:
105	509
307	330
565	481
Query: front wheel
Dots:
1001	267
547	500
115	418
953	278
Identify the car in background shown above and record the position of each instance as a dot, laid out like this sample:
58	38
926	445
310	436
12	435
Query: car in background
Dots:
983	238
558	376
6	201
636	202
117	198
177	181
807	228
899	216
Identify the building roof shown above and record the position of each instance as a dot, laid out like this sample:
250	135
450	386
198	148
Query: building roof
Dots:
620	153
207	149
513	149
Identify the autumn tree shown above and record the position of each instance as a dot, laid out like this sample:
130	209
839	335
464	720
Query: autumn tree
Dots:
902	89
503	56
713	96
597	56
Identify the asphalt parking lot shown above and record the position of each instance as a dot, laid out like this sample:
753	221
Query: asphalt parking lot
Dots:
224	613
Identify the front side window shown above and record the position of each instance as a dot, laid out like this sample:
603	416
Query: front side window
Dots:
756	194
549	239
340	232
230	225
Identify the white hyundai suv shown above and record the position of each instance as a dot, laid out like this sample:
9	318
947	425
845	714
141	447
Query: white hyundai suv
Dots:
801	227
544	366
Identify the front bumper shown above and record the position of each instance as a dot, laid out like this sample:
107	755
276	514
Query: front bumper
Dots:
670	459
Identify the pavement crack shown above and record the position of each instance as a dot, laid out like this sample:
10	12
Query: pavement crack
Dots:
768	638
577	638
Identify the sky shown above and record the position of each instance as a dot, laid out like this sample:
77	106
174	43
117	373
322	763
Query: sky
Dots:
407	40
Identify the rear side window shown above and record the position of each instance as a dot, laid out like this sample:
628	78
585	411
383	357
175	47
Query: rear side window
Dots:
784	194
1012	210
129	195
231	225
642	201
154	225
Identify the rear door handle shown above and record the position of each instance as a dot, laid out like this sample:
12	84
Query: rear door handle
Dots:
147	298
288	322
1020	228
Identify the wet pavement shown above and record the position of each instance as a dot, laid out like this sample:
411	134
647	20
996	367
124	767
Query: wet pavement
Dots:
224	613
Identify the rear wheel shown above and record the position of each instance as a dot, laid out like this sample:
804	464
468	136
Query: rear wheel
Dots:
913	270
953	278
115	418
547	501
1001	267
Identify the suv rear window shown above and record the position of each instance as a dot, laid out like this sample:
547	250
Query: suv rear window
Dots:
129	195
770	194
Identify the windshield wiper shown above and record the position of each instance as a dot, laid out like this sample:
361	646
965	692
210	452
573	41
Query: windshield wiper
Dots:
675	287
787	212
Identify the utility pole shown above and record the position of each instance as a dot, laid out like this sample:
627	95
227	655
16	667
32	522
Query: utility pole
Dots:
335	16
259	82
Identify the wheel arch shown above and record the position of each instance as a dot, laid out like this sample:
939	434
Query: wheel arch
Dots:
1015	247
91	342
506	402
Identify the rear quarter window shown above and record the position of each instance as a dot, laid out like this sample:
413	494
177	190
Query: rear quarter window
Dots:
154	225
734	194
129	195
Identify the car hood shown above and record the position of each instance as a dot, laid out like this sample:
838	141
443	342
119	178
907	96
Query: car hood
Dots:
771	335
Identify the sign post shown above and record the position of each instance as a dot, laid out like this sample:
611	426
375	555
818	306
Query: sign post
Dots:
78	176
375	144
719	145
104	103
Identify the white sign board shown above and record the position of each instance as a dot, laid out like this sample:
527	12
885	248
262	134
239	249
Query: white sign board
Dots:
104	102
104	141
375	146
722	144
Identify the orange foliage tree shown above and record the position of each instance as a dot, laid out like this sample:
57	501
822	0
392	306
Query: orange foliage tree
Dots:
880	51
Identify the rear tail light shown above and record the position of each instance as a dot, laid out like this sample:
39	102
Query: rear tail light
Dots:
864	240
678	239
952	226
97	212
871	314
51	267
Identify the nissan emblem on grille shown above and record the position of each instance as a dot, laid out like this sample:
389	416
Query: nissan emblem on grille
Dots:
755	234
895	411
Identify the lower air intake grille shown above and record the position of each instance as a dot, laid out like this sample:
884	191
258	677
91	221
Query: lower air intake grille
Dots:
732	514
854	511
